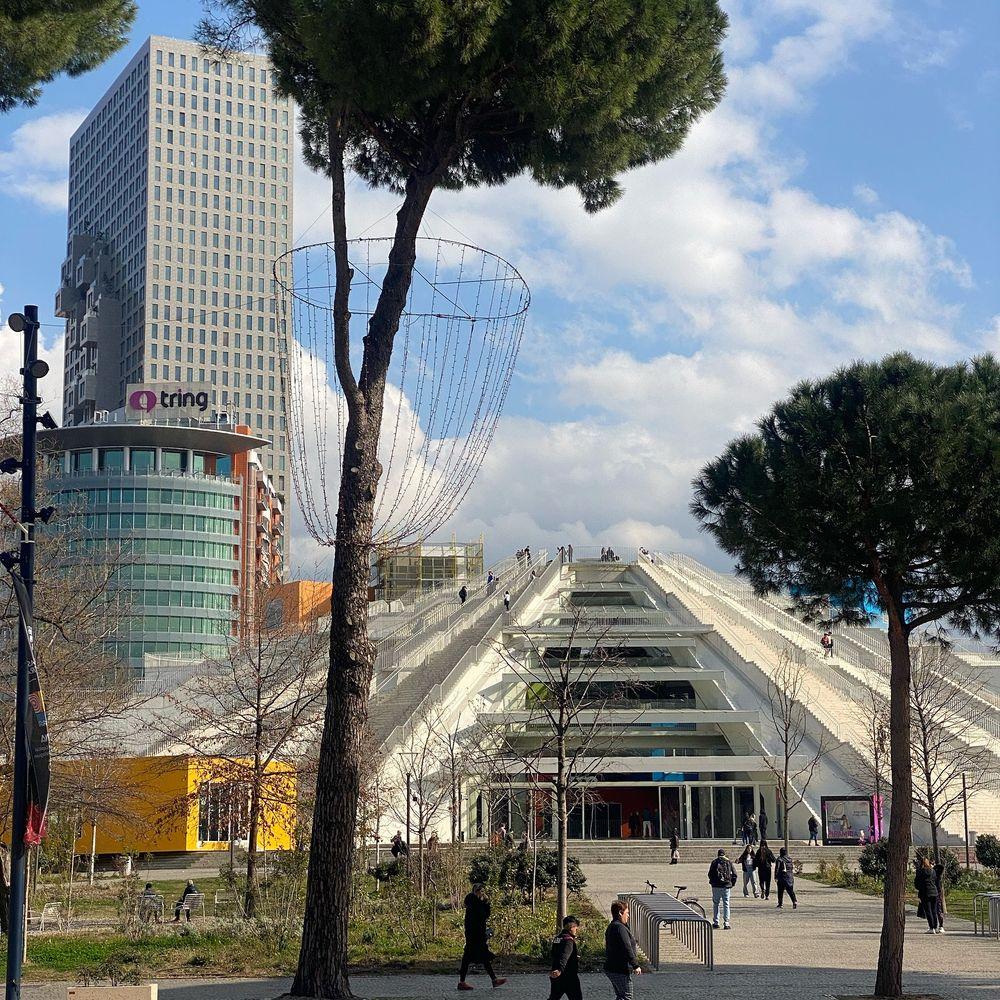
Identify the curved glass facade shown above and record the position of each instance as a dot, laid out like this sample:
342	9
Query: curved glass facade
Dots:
180	563
174	518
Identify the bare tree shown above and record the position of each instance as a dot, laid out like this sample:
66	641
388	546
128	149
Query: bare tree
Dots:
943	694
800	755
78	610
873	769
250	720
565	695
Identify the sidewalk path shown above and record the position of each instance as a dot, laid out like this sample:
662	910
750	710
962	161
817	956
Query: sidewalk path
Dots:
827	947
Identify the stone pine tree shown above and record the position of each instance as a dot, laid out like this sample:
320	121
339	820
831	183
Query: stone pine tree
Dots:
415	97
879	485
39	39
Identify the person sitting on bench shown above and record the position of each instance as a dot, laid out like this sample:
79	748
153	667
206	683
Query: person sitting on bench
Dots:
182	904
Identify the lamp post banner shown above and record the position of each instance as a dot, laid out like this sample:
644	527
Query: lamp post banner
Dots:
36	728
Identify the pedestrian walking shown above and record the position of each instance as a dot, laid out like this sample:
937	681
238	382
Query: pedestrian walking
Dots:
827	643
762	823
562	555
748	862
569	552
477	937
463	593
784	875
506	600
813	831
926	884
565	971
620	958
675	848
722	878
764	860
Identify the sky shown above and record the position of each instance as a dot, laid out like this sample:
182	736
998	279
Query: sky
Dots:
841	202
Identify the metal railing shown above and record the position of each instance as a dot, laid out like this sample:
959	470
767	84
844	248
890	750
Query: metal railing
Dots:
472	655
854	645
420	638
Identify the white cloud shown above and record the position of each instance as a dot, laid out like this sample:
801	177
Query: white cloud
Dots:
35	165
687	308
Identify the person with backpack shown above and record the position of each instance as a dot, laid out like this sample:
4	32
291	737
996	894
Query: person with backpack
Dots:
722	878
784	875
565	972
620	958
765	858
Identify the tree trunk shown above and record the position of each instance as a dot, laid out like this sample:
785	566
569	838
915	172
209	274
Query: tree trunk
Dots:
562	889
889	977
250	896
322	968
784	806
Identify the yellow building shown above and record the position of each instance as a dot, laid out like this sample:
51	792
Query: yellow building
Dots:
180	804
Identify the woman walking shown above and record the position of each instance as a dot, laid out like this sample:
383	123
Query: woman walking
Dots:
926	884
675	845
748	862
477	936
784	874
765	858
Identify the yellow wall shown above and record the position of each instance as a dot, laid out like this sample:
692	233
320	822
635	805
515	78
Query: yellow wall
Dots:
159	803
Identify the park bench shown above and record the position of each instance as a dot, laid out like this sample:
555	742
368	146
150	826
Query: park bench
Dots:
650	911
193	902
226	904
51	912
150	908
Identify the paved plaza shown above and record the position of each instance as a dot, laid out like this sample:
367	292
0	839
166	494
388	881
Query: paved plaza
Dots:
825	948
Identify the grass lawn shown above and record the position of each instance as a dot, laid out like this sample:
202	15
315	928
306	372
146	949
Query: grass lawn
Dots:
387	934
958	900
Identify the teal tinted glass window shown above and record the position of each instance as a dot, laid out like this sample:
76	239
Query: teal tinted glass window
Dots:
173	461
143	459
224	465
111	459
82	461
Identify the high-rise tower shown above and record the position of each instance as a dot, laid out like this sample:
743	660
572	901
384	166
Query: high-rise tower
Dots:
180	201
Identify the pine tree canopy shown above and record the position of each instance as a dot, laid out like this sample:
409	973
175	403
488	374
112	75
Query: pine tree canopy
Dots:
570	91
882	479
39	39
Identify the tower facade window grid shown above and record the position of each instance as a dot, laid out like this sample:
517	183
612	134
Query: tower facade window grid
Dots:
180	195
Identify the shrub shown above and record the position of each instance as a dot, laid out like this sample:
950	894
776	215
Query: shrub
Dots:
874	859
988	851
510	869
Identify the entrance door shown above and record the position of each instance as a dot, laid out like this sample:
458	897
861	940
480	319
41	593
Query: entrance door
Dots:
670	812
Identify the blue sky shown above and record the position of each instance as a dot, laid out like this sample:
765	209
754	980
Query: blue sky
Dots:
841	202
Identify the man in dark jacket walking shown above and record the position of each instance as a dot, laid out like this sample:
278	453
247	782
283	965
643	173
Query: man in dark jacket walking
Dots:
784	875
620	959
722	878
565	974
477	948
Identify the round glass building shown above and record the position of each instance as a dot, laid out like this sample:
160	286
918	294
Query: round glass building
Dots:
171	503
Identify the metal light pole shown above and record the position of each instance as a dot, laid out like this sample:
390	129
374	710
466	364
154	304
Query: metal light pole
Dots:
32	371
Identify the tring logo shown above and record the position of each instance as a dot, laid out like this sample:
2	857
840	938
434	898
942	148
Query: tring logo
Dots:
142	399
145	400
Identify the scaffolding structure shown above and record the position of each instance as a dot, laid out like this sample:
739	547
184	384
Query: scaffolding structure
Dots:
402	572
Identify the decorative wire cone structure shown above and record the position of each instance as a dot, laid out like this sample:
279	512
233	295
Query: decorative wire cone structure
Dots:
452	363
